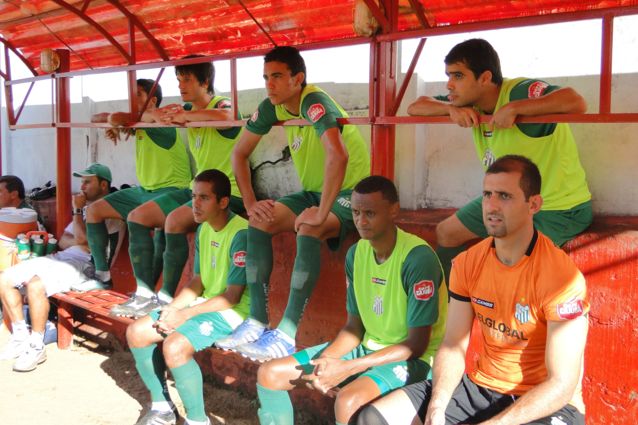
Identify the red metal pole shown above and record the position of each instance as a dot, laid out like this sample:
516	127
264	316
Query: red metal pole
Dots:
605	64
63	102
233	89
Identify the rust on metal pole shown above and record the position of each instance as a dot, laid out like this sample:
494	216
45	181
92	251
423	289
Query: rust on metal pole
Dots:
605	64
63	143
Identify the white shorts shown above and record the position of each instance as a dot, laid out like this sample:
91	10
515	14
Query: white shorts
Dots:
57	276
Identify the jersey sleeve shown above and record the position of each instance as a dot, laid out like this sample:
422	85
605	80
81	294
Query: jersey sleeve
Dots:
351	301
531	89
568	303
196	269
321	111
442	98
164	137
262	119
237	271
422	277
459	289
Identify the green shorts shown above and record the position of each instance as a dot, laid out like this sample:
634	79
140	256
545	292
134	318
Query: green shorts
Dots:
126	200
559	226
236	205
204	329
299	201
388	377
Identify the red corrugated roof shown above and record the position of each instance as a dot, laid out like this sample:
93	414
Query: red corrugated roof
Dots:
171	29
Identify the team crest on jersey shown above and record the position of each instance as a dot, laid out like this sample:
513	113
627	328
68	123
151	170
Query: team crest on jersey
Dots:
487	133
224	103
255	115
206	328
423	290
344	202
570	310
296	143
488	158
401	372
316	111
239	259
379	281
522	313
377	305
213	262
536	89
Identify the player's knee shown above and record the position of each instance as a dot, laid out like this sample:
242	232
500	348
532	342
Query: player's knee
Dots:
179	221
36	288
264	226
5	283
268	374
134	332
176	350
349	402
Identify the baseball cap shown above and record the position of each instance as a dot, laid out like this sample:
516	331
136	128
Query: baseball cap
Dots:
95	169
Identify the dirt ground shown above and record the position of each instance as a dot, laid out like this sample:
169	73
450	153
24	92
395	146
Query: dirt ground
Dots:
88	384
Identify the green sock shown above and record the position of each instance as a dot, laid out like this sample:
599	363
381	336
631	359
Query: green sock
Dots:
175	257
98	239
303	280
149	362
276	408
159	245
258	269
446	255
140	249
190	386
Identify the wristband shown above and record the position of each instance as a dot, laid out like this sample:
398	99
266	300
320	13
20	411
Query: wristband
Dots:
77	211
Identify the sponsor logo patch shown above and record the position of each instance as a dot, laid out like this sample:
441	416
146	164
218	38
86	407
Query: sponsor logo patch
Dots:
484	303
536	89
214	244
379	281
487	133
424	290
255	115
239	259
316	111
570	310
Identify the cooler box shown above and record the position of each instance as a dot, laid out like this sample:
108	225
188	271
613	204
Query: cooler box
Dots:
14	221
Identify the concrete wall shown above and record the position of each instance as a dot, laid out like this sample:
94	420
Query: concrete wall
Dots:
436	165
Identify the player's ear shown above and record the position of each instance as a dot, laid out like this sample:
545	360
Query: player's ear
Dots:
535	203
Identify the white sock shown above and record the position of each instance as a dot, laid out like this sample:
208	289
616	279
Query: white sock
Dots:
20	330
37	339
102	275
164	297
162	406
144	292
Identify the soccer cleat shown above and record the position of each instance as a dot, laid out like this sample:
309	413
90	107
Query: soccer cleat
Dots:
14	348
30	358
154	304
92	284
248	331
135	305
273	344
153	417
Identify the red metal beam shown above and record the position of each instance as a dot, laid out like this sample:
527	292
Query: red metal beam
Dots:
378	14
408	76
8	90
605	64
257	23
26	96
234	99
99	28
417	7
63	192
151	93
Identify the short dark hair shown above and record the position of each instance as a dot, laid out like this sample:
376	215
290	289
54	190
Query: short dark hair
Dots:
291	57
13	184
530	181
204	72
146	85
479	56
219	181
372	184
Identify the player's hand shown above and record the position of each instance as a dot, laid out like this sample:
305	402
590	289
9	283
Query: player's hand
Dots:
78	200
464	116
262	210
113	134
172	114
309	216
171	319
435	416
504	117
328	373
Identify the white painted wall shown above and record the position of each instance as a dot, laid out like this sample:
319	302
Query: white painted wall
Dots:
436	165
